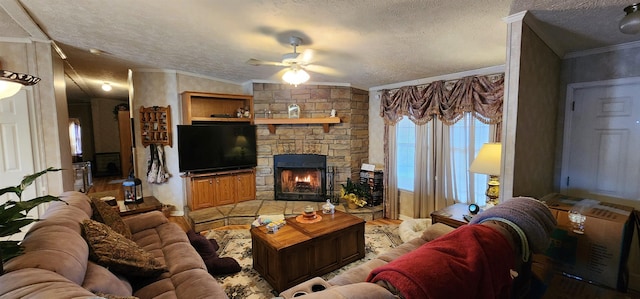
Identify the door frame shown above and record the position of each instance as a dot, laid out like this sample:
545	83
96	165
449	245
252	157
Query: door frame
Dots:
568	116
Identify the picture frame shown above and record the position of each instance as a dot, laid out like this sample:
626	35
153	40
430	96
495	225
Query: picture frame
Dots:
294	111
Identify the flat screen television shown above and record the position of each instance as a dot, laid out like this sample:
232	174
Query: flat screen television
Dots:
213	147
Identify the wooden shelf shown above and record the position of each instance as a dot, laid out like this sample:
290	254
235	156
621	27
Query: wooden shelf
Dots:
272	122
221	119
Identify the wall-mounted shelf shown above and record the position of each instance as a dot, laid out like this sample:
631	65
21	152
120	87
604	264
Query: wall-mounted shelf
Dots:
272	122
155	125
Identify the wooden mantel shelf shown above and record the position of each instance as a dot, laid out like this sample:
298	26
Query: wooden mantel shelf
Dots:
272	122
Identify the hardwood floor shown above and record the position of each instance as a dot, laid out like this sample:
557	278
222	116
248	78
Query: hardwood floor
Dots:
101	184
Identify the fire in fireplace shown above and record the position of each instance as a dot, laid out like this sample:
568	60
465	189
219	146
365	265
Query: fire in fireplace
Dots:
300	177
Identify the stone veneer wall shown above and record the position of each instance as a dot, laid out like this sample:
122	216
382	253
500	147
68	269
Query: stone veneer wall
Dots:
346	144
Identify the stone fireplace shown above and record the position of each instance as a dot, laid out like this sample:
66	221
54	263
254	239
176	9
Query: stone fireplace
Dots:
300	177
345	146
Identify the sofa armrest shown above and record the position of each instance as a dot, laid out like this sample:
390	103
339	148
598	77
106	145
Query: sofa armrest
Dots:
39	283
144	221
436	230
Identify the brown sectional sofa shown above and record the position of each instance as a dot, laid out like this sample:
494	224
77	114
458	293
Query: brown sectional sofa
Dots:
56	261
352	283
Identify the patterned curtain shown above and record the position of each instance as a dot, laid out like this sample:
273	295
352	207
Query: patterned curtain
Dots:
482	96
448	100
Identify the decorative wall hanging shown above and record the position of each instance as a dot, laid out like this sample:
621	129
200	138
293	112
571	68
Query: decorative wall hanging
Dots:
155	125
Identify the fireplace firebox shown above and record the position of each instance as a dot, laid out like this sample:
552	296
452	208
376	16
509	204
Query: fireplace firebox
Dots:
300	177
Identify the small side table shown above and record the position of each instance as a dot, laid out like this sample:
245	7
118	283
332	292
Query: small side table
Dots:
149	203
451	215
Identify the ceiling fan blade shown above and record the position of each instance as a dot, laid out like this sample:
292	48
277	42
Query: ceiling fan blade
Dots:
325	70
307	56
253	61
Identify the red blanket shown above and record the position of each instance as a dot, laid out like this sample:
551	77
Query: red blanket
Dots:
471	262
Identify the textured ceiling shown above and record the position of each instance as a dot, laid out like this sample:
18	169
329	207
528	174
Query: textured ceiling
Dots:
365	43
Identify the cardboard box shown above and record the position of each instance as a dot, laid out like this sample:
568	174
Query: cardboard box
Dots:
599	255
562	287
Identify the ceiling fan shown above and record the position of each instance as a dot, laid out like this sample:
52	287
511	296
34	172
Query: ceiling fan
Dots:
295	61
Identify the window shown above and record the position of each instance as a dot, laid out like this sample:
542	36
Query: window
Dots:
75	137
406	149
465	139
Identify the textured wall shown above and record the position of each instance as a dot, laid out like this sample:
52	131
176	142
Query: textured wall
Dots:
538	98
346	144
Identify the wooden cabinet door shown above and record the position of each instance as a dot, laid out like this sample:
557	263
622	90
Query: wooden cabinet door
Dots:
246	186
202	189
225	190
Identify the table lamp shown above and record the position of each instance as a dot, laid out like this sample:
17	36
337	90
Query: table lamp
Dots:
489	162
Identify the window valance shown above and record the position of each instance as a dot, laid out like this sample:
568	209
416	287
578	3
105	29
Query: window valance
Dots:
448	100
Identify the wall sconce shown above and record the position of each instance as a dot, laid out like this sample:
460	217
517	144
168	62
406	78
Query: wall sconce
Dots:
630	24
11	82
489	161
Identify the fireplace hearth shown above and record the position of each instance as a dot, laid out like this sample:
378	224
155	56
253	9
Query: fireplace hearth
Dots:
300	177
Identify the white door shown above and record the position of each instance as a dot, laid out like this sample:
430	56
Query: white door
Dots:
16	158
602	141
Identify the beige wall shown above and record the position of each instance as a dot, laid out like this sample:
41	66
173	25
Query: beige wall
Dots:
538	98
105	126
532	91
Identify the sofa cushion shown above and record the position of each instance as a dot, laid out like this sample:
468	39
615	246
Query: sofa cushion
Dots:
119	254
99	279
105	213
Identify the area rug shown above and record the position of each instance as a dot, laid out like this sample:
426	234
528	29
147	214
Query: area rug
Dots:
249	284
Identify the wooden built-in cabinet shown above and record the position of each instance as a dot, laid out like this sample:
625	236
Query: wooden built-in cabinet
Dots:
220	188
215	107
224	187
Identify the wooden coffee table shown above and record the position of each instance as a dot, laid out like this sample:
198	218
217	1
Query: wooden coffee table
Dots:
300	251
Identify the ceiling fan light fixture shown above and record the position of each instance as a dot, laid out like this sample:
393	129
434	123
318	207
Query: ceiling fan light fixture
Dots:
11	82
106	86
295	76
630	23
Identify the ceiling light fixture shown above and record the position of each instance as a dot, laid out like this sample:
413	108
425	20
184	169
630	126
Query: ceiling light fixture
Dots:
295	75
11	82
630	24
106	86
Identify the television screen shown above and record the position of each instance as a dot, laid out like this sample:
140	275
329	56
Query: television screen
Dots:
208	147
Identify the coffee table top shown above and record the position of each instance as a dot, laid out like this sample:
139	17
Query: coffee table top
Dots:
294	232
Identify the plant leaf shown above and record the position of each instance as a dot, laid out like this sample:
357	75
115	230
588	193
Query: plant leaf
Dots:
14	226
14	209
10	249
15	190
28	180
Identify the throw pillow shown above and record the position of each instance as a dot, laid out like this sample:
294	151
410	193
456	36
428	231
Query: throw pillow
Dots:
112	250
201	244
102	212
222	265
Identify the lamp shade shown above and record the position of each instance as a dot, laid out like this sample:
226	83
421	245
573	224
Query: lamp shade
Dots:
11	82
488	160
8	89
295	76
630	23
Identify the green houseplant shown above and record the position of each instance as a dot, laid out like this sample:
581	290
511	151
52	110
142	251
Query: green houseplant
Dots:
355	194
13	215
